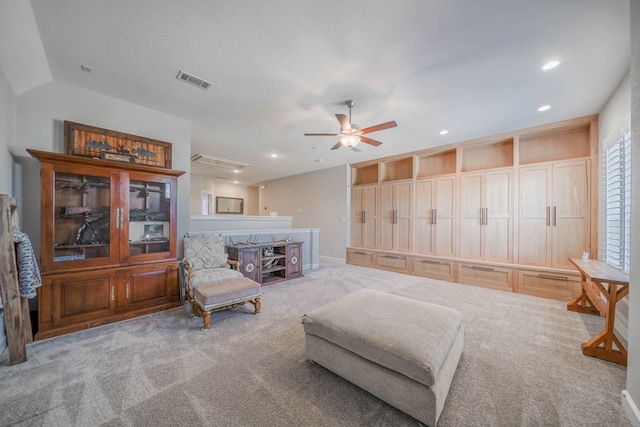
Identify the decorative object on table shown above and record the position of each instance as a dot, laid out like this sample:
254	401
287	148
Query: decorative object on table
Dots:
90	141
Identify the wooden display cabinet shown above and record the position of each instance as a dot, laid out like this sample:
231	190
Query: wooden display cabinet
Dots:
268	262
108	242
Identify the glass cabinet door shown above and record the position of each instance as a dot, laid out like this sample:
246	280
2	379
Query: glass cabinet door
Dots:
81	227
149	216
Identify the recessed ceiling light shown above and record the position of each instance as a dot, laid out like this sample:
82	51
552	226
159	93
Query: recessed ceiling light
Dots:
544	108
274	155
235	182
444	132
551	64
236	171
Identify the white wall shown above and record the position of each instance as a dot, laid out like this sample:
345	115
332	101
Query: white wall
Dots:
43	110
200	183
8	108
633	367
314	200
8	113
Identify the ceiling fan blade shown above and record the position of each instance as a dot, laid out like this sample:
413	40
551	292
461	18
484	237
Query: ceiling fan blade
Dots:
344	121
370	141
381	126
321	134
338	145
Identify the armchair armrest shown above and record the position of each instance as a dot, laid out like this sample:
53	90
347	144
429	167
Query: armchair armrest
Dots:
234	264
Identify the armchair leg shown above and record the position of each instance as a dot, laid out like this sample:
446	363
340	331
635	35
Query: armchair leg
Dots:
206	316
256	305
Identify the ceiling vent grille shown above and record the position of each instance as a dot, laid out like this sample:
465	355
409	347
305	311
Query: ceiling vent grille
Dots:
191	79
205	159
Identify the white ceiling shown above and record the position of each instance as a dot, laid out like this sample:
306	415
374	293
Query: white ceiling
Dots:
281	68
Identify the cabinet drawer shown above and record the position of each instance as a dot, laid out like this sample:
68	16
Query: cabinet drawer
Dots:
563	287
393	262
434	268
361	257
487	276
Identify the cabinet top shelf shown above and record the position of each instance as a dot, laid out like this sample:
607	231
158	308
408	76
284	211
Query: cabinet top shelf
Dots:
45	156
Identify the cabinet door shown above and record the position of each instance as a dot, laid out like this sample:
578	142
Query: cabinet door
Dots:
424	217
147	217
498	217
534	237
471	186
249	263
570	215
80	298
364	216
395	202
445	205
148	286
79	206
294	260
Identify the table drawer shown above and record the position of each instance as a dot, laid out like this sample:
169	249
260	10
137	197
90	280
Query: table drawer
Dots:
434	268
563	287
394	262
361	257
485	275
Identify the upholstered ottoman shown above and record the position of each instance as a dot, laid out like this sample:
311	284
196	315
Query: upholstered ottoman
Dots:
224	295
401	350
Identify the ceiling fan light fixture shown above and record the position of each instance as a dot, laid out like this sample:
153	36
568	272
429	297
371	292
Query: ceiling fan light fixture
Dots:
350	141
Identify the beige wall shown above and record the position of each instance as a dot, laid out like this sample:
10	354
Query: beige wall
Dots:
314	200
200	183
8	107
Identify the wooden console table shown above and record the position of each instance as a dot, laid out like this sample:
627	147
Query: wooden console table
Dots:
600	279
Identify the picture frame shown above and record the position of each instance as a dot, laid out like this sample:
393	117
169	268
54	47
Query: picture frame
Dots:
106	144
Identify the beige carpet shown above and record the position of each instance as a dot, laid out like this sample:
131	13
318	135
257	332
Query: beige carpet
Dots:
521	365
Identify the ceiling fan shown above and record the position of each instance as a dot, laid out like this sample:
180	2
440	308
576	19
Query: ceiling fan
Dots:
351	134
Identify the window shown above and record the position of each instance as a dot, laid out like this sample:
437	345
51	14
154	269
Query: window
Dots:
617	203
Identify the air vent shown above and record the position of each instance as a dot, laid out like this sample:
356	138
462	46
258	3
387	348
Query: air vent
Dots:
196	81
205	159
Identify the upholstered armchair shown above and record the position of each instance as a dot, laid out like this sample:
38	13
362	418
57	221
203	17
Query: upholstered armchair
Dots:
205	262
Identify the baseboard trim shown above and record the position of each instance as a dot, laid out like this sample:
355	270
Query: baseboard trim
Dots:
631	409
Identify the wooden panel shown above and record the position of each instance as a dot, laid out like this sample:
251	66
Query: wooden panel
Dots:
555	145
357	214
360	257
487	276
563	287
534	246
471	205
424	217
498	224
399	263
386	213
147	286
370	207
434	268
445	204
365	175
82	297
487	156
398	170
294	260
571	230
403	200
437	164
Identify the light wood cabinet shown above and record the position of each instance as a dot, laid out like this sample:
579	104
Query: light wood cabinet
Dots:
364	202
486	215
435	216
108	242
505	211
395	212
554	220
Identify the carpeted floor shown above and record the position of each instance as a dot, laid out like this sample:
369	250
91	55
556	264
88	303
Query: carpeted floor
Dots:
521	365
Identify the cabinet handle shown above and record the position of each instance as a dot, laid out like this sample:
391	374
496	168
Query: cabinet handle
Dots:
126	291
481	216
477	267
434	216
117	218
486	216
390	257
360	253
395	216
113	293
364	217
554	216
426	261
551	276
548	216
